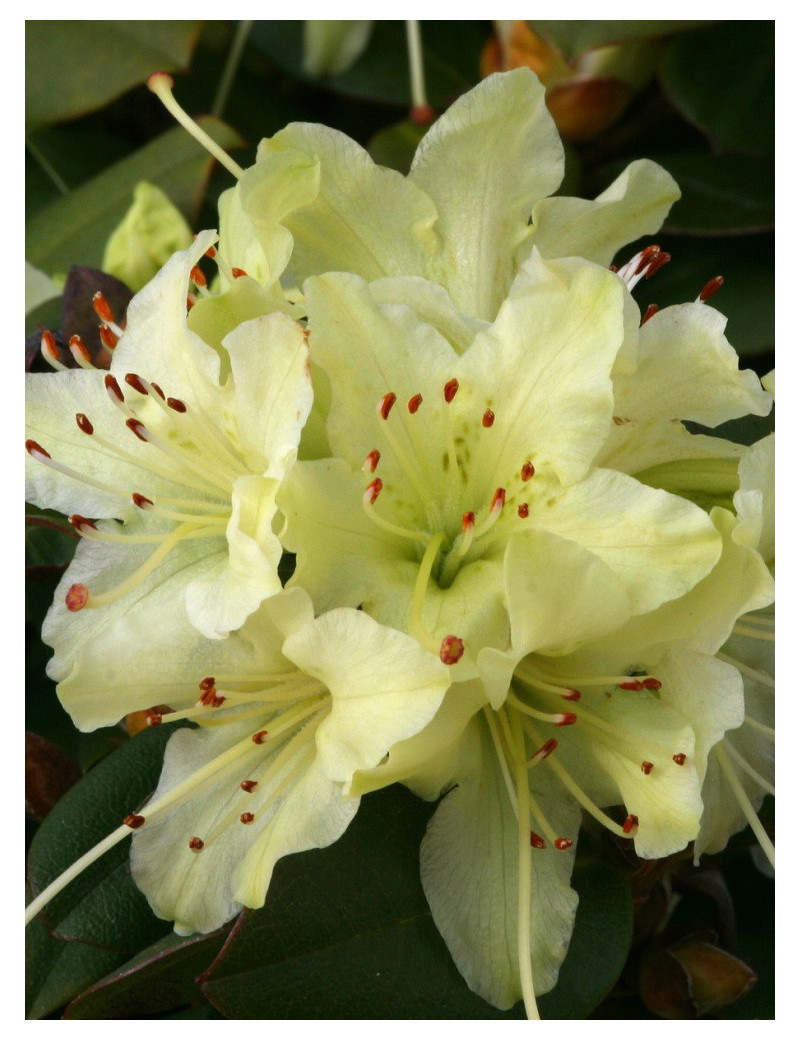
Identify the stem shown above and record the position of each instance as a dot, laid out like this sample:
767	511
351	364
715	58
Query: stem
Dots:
231	67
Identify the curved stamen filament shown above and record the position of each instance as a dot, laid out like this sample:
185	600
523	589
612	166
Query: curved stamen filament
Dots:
745	804
167	545
416	625
745	766
768	731
747	671
368	501
740	629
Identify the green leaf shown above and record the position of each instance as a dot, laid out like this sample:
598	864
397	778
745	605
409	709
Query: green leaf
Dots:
102	906
450	50
720	194
56	971
74	229
722	79
600	943
66	79
50	541
157	980
574	37
346	933
395	145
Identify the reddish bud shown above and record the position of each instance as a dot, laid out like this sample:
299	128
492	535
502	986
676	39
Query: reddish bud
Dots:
523	510
246	817
260	737
562	843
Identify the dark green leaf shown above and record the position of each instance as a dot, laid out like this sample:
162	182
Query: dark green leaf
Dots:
74	229
50	541
450	49
102	906
720	195
346	933
576	36
157	980
600	943
56	971
66	79
395	146
722	79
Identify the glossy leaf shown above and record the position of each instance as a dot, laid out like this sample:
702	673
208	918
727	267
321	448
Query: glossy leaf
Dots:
65	79
722	79
102	906
157	980
721	195
74	229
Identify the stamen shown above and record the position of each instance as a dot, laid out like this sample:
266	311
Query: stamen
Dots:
249	785
647	768
239	272
537	841
527	471
544	751
488	418
630	823
260	737
50	352
679	759
450	390
161	84
562	843
710	288
386	404
77	597
652	308
84	424
134	821
744	802
523	511
103	311
747	768
114	392
196	844
80	352
414	403
371	462
247	817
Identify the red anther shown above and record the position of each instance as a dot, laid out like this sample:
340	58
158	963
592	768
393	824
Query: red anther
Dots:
652	308
110	340
246	817
83	423
113	387
372	490
651	684
260	737
546	749
208	683
142	501
196	844
566	718
249	785
467	522
422	115
634	684
488	418
154	718
450	390
386	405
136	382
190	301
562	843
711	287
79	522
137	428
35	449
647	768
176	404
527	470
198	277
133	821
537	841
77	346
77	597
658	261
498	500
49	344
102	308
371	461
238	272
414	403
679	759
523	510
631	821
573	695
452	650
613	268
647	257
158	390
211	252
